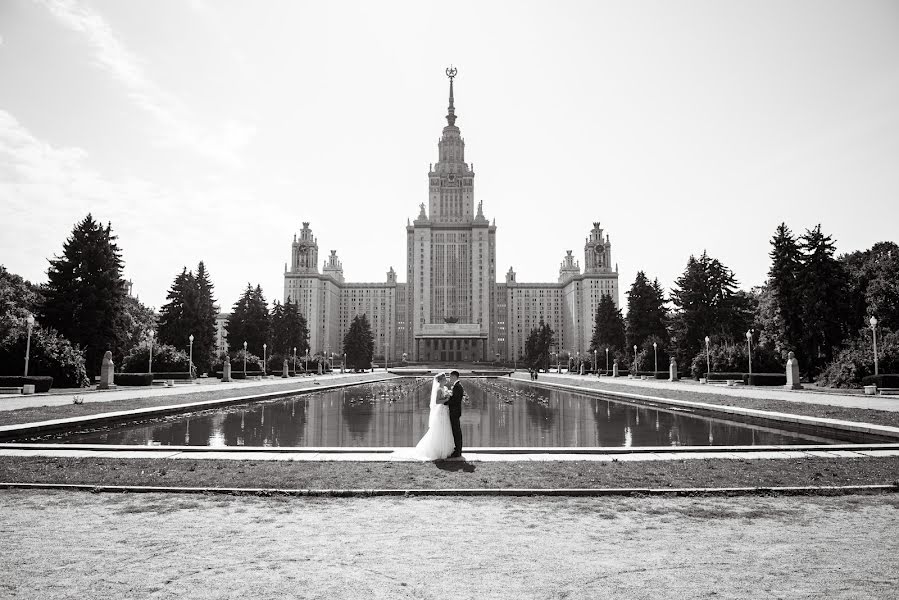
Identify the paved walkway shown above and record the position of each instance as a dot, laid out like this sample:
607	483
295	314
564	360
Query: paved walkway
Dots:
472	455
63	397
623	384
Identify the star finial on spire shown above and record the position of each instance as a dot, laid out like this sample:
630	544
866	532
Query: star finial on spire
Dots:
451	116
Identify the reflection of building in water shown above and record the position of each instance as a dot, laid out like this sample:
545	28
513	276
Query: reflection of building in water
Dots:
451	307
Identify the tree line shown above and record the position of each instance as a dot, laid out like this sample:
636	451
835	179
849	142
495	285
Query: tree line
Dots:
814	304
84	310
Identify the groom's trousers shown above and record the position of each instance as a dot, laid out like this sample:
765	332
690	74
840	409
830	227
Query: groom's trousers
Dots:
457	430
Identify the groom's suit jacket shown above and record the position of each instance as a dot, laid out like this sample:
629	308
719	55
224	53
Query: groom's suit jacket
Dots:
455	400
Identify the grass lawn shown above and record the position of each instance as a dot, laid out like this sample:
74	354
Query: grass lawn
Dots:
451	474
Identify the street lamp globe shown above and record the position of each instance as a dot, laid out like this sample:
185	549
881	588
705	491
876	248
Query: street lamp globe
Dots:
873	321
30	320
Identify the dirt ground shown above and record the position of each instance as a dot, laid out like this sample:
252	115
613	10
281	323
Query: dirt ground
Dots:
81	545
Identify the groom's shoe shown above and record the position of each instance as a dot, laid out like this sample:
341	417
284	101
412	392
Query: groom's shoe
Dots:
455	455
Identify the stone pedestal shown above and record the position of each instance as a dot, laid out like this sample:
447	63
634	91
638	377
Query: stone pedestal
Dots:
319	368
226	371
582	368
615	369
672	371
793	382
286	372
28	388
107	372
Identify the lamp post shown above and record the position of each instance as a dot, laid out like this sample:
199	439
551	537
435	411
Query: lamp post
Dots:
30	322
244	360
306	364
655	351
635	359
596	360
190	357
708	363
344	361
607	360
294	360
151	333
749	348
386	348
264	362
873	322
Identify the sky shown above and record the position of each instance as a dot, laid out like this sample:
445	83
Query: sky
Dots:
212	130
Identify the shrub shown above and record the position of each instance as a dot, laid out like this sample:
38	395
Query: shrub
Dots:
276	363
732	358
165	359
856	360
765	379
884	380
50	355
254	362
41	384
133	378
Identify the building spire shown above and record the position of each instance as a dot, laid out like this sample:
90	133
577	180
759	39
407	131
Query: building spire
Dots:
451	116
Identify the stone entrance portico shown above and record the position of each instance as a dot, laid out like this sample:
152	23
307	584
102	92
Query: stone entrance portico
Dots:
451	342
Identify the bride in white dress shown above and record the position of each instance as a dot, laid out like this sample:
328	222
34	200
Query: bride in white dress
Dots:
438	441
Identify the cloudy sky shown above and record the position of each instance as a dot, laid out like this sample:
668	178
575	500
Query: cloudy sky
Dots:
212	130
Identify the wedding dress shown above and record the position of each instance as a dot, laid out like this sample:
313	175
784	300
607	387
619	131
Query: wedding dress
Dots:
438	441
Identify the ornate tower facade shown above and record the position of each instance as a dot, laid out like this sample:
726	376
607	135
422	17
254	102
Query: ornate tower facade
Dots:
451	260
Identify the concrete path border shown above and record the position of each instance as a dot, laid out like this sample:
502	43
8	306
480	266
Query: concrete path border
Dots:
471	492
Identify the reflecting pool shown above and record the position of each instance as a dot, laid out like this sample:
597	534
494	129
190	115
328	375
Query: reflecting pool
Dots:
498	412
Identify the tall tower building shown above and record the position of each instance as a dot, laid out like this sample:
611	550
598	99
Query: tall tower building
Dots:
451	308
451	260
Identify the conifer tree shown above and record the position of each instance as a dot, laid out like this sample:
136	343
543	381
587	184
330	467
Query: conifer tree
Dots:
645	311
296	329
608	331
359	344
85	292
705	304
538	346
280	345
204	336
249	321
823	285
786	299
178	317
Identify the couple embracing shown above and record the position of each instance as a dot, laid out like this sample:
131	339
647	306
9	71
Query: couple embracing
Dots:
444	436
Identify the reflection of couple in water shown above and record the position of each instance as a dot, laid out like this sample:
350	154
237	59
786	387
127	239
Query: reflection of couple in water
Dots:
444	436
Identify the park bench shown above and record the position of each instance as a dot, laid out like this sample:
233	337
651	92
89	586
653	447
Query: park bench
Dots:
10	390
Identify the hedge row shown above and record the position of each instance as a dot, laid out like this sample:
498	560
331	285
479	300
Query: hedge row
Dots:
133	378
171	375
765	379
652	374
887	380
241	374
725	376
40	383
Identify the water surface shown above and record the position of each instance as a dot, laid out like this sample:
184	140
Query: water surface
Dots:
499	412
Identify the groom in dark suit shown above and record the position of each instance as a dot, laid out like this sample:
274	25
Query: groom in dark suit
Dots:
455	412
